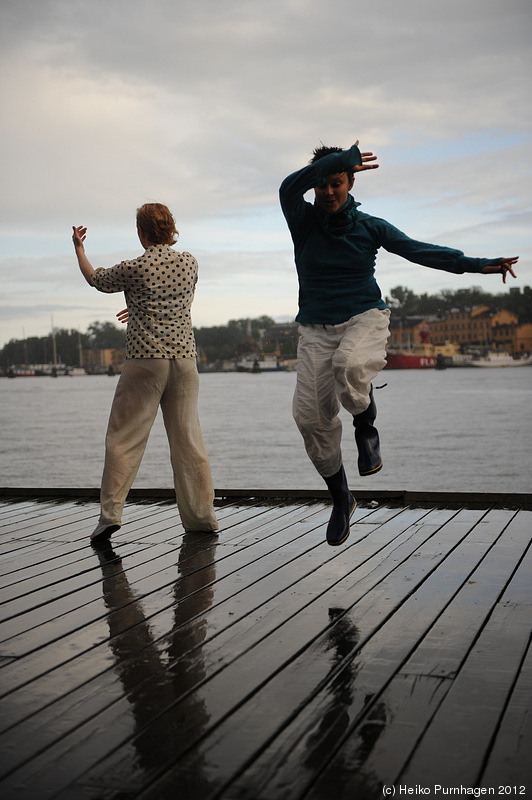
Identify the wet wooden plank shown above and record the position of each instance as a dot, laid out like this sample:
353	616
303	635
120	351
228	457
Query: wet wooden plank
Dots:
43	517
478	696
274	676
142	524
151	569
33	572
228	567
262	663
83	636
508	762
53	605
135	643
364	671
415	694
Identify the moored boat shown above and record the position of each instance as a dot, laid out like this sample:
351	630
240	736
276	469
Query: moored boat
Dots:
425	355
263	363
21	371
495	359
410	359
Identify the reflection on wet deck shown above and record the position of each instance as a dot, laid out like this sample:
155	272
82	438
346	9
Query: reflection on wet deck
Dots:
261	663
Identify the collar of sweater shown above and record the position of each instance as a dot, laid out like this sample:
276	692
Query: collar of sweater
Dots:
341	218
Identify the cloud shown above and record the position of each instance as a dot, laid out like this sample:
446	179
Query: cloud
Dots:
207	106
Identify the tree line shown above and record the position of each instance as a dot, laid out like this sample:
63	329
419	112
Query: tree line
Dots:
242	336
404	302
64	344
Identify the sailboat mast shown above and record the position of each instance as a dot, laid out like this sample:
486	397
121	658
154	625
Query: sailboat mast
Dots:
53	342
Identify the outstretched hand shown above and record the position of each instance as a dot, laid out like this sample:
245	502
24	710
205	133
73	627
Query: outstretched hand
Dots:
366	158
78	236
504	267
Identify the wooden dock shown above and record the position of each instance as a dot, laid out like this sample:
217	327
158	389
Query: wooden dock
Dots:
262	664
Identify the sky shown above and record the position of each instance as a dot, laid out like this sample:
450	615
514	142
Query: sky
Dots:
206	105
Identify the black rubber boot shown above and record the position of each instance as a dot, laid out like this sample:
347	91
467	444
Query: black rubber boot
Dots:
343	506
367	439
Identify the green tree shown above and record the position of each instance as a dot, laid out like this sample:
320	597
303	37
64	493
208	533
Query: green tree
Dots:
429	305
237	338
520	303
402	301
102	335
40	350
465	299
218	342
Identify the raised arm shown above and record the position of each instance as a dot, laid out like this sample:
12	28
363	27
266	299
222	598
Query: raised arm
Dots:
78	237
294	187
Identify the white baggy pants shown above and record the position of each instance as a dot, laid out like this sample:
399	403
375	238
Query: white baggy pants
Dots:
144	385
336	365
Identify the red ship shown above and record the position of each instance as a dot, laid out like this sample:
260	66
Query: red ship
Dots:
409	359
421	355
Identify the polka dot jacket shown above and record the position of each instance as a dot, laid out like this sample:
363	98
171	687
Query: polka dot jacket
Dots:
159	289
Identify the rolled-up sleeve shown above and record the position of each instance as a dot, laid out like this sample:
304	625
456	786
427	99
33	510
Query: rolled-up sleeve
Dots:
109	280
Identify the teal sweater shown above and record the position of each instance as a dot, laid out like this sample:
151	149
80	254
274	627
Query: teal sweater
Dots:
335	254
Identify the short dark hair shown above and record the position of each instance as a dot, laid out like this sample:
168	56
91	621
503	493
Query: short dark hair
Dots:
324	150
157	223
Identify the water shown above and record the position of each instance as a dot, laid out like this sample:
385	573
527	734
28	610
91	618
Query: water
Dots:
455	430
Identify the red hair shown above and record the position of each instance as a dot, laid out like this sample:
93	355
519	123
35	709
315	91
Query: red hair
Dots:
157	223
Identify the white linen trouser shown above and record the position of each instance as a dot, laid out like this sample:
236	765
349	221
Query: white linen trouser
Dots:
336	365
144	385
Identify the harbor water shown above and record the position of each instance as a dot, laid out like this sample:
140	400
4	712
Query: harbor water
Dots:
455	430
